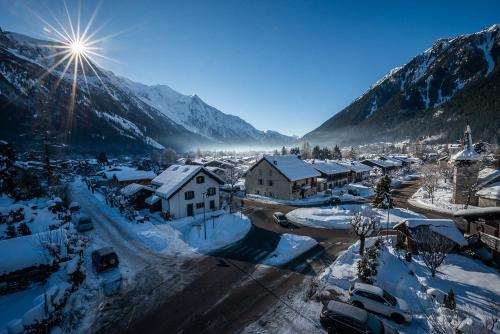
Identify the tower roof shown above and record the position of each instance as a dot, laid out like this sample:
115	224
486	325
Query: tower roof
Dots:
467	154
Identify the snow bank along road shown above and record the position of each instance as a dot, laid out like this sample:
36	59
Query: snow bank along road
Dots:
233	290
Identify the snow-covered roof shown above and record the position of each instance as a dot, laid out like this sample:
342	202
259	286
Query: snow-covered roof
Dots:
152	199
444	227
23	252
292	167
479	212
487	175
129	174
131	189
466	155
381	163
393	161
355	166
330	168
176	176
492	191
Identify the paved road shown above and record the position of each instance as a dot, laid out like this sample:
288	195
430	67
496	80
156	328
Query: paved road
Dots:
400	197
234	290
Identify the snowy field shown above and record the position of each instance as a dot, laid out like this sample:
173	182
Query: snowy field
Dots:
442	199
338	217
289	247
474	284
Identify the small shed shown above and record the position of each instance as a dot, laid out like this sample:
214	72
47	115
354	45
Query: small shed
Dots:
408	230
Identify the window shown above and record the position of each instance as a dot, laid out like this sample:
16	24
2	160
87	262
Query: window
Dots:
257	192
189	195
200	205
212	205
261	182
200	179
270	183
211	191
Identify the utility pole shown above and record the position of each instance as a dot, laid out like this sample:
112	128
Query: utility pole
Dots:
204	220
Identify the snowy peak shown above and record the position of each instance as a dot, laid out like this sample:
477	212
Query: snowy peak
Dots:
194	114
424	87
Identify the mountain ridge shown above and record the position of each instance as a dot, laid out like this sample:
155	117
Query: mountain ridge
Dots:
419	98
110	112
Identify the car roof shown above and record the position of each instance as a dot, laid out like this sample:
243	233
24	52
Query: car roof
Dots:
369	288
348	310
105	251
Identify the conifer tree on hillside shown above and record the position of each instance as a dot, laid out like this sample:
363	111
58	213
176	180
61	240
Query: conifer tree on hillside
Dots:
383	191
295	150
337	154
316	152
284	151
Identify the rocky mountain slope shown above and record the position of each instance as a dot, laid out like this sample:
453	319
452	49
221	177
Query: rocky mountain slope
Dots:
435	94
197	116
105	112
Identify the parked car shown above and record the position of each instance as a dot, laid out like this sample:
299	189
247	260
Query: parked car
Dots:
378	300
83	223
339	317
104	259
335	201
280	219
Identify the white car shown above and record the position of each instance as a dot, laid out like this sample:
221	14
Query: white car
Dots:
375	299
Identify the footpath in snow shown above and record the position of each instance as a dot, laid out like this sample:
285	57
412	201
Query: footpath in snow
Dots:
339	217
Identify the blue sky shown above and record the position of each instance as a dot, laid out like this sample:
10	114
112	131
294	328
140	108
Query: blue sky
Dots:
281	65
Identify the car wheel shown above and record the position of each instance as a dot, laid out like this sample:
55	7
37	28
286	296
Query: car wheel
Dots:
398	318
358	304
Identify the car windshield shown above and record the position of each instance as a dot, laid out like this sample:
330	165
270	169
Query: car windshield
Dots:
374	324
390	298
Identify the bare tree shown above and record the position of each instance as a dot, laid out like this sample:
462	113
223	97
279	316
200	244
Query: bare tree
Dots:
232	176
446	172
429	180
364	223
305	150
433	247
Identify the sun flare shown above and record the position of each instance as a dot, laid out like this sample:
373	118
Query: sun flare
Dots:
77	47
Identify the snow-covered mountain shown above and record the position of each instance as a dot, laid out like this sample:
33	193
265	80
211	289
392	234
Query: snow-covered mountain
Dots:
195	115
454	81
110	112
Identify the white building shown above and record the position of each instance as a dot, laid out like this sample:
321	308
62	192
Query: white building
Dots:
187	190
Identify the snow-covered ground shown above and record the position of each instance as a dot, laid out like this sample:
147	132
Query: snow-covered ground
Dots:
338	217
474	284
289	247
361	192
222	229
442	199
36	212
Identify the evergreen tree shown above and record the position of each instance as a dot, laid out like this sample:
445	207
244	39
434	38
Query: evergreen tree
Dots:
102	158
295	150
275	152
316	152
283	151
7	172
23	229
337	154
449	300
383	191
352	154
10	231
327	154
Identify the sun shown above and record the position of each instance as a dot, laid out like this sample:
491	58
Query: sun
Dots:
78	48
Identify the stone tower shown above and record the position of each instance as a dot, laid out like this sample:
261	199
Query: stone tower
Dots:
465	171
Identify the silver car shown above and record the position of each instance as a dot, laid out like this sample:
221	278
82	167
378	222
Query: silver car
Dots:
375	299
